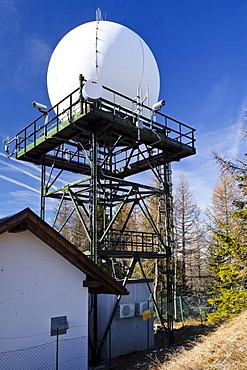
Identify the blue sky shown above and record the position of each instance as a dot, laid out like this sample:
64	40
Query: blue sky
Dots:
201	51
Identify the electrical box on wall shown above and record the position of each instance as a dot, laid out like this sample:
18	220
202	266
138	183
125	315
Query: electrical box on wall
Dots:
125	310
59	325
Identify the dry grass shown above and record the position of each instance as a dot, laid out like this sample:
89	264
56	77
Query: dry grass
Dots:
226	348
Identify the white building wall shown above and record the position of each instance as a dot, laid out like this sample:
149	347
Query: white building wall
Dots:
36	284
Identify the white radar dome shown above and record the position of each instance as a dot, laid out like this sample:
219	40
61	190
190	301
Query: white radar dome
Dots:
106	52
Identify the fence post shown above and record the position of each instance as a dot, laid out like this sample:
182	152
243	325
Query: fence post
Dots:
161	310
148	325
200	308
181	309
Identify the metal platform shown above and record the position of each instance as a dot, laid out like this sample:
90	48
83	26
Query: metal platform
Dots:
62	139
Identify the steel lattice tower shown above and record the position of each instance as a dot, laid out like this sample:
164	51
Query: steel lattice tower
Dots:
89	154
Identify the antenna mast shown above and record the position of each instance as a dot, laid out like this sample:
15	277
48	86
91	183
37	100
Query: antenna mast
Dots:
98	15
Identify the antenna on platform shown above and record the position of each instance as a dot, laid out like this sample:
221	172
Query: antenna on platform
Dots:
98	15
7	142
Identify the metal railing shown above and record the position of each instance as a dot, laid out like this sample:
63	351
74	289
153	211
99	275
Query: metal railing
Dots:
132	241
48	124
71	107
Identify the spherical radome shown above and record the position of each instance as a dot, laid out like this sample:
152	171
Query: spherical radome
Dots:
105	51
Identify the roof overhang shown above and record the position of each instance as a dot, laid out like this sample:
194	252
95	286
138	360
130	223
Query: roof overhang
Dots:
97	280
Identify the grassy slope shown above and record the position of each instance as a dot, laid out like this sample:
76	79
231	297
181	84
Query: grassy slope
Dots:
226	348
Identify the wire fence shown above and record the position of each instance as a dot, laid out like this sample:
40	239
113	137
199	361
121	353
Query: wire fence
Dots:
61	354
186	307
192	307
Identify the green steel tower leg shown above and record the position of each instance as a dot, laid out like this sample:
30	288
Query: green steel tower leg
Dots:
94	205
169	250
42	193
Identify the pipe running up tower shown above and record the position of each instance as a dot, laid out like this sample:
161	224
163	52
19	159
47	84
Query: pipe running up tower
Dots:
98	145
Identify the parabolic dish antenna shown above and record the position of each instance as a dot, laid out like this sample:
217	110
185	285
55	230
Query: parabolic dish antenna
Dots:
106	52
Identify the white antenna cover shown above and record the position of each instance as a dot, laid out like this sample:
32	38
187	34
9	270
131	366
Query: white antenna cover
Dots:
107	52
92	90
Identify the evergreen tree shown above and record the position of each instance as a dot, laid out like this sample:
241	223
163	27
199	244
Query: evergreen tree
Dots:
228	249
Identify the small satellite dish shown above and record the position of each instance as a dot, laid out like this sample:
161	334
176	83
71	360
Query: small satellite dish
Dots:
92	90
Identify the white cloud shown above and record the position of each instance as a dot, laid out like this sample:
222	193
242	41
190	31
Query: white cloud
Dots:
33	62
201	170
219	107
18	200
9	19
24	196
218	97
37	54
225	140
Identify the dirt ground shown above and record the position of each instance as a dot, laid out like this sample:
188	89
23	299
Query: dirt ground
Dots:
184	337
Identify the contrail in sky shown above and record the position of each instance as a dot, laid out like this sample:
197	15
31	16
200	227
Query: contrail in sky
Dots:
19	183
30	165
22	162
21	170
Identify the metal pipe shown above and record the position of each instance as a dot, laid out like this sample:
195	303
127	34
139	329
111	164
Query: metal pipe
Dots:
81	79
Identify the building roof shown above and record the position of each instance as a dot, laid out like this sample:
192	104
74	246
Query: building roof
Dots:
97	280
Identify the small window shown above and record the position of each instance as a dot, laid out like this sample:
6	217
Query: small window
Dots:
59	325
